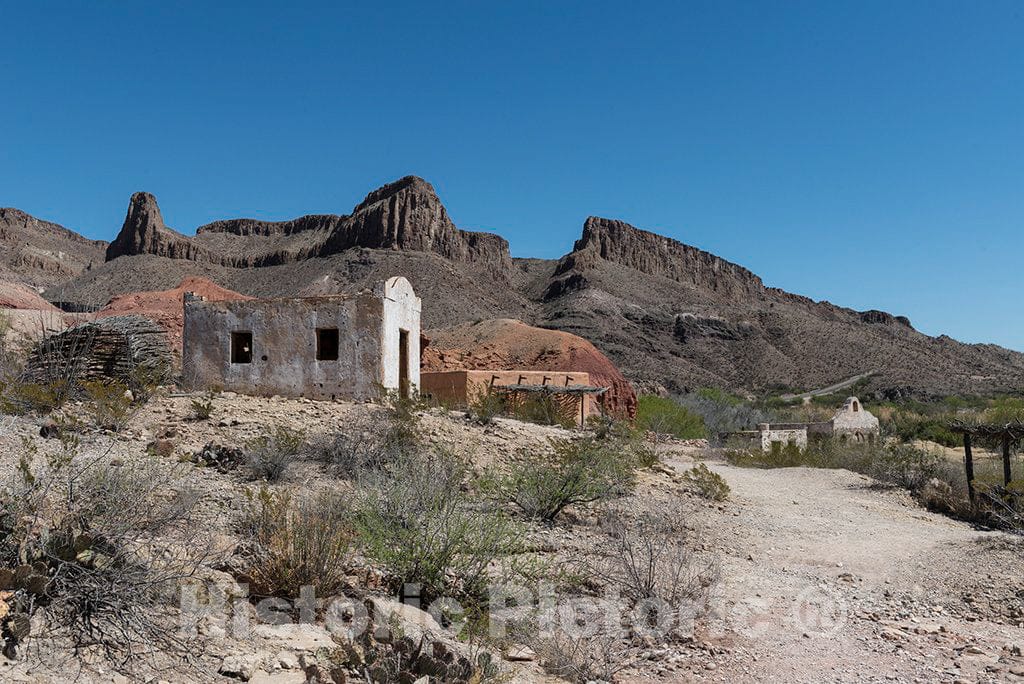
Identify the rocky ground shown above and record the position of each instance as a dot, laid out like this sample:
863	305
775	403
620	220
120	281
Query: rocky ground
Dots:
820	576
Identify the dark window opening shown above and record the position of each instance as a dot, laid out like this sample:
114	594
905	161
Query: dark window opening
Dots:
326	344
241	347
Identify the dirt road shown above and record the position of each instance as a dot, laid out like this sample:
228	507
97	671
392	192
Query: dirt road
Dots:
825	578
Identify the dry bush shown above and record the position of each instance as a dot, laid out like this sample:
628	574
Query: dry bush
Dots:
110	404
486	407
575	472
269	456
707	483
371	440
94	555
651	557
296	541
415	519
579	654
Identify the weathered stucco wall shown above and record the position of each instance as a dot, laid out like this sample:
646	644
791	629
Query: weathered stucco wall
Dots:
283	355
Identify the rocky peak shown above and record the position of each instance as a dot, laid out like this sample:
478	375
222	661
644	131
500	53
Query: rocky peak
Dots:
408	215
144	232
653	254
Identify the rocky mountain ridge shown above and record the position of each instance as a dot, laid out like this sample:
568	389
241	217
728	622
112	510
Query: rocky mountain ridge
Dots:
668	314
404	215
40	253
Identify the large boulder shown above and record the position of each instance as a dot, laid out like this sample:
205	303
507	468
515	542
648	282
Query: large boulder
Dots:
505	343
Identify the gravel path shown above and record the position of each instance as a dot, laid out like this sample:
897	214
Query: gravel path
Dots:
825	578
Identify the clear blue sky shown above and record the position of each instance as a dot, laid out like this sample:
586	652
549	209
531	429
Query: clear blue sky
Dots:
868	153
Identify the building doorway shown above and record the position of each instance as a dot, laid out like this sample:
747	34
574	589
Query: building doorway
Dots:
403	363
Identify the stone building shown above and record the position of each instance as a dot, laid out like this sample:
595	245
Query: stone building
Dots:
854	422
332	347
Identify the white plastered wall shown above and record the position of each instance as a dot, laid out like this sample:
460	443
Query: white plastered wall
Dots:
401	312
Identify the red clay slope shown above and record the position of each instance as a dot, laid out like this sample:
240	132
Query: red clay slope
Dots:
18	296
504	343
165	306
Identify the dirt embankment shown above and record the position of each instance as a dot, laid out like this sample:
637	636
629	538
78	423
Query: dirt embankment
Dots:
165	307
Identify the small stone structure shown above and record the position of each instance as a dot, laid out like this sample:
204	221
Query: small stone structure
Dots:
330	347
768	434
851	422
573	392
855	423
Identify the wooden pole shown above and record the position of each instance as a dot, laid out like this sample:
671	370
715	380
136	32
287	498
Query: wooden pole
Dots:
1007	475
969	466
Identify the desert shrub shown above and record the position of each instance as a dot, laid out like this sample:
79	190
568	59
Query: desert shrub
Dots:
579	654
415	520
18	397
109	404
269	456
575	472
649	558
93	554
722	414
369	441
486	407
296	541
666	416
201	408
707	483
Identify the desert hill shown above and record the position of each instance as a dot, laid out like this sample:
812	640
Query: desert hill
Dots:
41	254
666	313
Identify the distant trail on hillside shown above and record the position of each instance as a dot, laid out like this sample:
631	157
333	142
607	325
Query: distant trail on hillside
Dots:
830	389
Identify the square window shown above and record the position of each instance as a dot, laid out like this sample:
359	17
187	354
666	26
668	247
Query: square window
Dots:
241	347
326	344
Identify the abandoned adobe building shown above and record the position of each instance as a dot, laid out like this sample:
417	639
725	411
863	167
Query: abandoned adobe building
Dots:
852	422
331	347
572	393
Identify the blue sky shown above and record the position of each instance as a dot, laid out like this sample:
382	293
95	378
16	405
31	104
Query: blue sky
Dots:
868	153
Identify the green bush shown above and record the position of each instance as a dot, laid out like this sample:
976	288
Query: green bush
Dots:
668	417
707	483
202	408
576	472
109	404
415	519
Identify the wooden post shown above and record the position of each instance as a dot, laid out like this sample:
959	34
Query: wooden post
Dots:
969	466
1007	475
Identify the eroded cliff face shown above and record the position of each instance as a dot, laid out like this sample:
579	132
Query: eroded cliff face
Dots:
656	255
404	215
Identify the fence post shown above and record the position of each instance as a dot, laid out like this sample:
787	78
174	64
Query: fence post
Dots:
969	466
